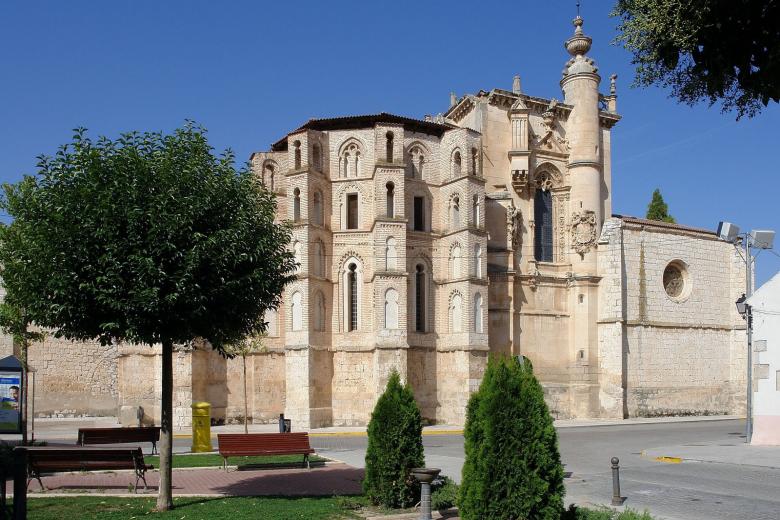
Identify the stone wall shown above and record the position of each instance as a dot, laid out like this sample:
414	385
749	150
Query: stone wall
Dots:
74	378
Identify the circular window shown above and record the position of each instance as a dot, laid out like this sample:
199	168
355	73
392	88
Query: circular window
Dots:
675	280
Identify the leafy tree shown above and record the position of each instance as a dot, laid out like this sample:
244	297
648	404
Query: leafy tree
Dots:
706	50
658	210
16	322
512	468
245	347
149	238
394	447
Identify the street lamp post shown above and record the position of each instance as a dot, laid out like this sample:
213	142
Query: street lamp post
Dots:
756	239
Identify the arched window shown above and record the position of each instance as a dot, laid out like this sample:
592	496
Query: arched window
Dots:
455	213
455	262
456	313
420	288
297	155
389	147
271	318
297	255
316	152
416	162
391	254
475	211
319	312
317	208
456	164
419	220
268	176
319	258
352	297
543	226
477	261
474	162
296	205
390	199
478	327
349	161
297	312
391	309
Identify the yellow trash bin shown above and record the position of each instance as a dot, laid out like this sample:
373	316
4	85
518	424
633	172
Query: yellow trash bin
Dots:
201	427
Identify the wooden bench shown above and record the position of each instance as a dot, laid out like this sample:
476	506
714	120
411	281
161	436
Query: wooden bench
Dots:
264	444
120	435
52	459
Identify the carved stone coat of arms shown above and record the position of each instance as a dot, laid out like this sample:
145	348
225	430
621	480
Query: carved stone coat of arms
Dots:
583	231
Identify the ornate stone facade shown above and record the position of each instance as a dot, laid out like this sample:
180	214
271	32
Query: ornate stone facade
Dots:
425	245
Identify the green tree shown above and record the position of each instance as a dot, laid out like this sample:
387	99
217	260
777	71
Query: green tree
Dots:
16	322
149	238
658	210
394	447
705	50
512	468
243	348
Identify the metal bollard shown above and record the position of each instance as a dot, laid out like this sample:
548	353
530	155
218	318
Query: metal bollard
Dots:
617	500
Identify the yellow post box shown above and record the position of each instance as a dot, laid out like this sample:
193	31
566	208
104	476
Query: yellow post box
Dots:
201	427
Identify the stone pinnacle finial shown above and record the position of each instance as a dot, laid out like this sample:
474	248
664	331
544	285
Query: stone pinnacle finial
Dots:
453	99
516	84
612	84
578	44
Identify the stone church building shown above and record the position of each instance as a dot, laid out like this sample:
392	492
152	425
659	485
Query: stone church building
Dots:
427	245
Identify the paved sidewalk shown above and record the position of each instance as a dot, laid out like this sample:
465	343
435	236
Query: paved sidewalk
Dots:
738	453
67	428
328	480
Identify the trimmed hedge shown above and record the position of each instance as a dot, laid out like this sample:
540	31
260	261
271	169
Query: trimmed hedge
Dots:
513	468
394	447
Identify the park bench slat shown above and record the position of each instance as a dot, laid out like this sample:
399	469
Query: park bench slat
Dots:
264	444
52	459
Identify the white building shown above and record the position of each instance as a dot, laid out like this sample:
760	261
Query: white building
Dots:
765	308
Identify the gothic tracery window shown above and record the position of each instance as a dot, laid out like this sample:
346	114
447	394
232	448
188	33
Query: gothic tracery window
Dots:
350	161
416	163
457	164
543	226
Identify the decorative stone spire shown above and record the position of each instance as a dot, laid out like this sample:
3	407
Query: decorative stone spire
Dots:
453	99
578	45
516	84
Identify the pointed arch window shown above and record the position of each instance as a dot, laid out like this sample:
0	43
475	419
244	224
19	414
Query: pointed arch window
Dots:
455	262
543	226
457	166
478	325
352	298
390	199
391	254
297	312
477	261
350	161
319	258
475	162
297	155
391	309
268	176
296	205
319	312
475	213
456	313
455	213
317	208
420	289
416	163
389	146
316	152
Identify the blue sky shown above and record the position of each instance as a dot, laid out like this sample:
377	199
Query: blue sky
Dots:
252	71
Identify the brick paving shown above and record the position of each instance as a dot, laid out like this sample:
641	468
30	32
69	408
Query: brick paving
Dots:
330	479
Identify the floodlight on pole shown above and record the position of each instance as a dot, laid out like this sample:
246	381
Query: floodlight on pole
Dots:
756	239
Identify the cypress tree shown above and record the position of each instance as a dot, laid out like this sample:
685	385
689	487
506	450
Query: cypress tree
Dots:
658	210
394	447
512	468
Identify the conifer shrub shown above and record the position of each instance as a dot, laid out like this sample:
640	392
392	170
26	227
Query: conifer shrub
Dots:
513	468
394	447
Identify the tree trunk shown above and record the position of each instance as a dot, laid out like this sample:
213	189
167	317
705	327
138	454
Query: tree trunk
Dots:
25	388
246	404
164	498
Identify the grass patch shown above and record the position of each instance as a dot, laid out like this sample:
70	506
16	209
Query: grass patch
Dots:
233	508
579	513
207	460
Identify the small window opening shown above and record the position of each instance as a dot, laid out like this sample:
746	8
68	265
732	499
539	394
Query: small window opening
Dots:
352	211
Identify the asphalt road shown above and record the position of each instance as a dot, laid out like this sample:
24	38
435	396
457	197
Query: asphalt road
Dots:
688	491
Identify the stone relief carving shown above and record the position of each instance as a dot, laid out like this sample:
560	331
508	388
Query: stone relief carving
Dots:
520	181
549	138
583	231
513	218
